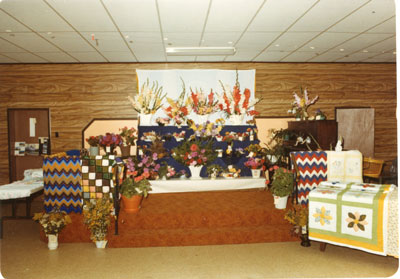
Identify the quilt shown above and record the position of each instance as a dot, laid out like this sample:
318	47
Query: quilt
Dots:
350	214
345	166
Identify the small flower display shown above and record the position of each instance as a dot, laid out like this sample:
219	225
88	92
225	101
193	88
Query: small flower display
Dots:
202	104
149	136
282	181
93	140
97	216
194	153
179	136
300	105
319	115
178	109
254	163
52	222
145	167
149	99
205	130
110	140
128	135
162	121
167	171
229	137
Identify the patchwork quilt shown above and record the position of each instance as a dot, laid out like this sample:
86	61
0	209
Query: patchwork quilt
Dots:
62	183
350	214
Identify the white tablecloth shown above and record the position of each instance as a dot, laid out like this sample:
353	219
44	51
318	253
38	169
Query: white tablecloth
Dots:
20	189
205	184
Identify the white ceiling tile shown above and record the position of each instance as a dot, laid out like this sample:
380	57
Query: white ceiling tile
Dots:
30	41
26	57
106	41
68	41
384	45
371	14
120	56
91	56
256	40
36	14
356	57
271	56
182	39
234	16
220	38
181	58
387	57
148	52
8	23
363	41
143	37
134	15
326	13
216	58
5	59
87	15
290	41
326	41
328	56
6	46
57	57
299	56
243	55
388	26
278	15
182	15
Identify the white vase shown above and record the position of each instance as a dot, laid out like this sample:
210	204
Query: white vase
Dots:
236	119
195	172
52	241
256	173
201	119
94	150
101	243
145	119
280	202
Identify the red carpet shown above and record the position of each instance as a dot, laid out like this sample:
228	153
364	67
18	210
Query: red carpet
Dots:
201	218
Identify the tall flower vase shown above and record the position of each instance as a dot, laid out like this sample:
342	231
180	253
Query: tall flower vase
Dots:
52	241
195	172
125	150
94	150
236	119
101	244
145	119
201	119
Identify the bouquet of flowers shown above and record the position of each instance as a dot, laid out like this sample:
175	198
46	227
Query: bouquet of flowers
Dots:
206	130
149	99
178	109
146	167
179	136
128	135
97	217
149	136
202	104
300	105
194	153
233	102
162	121
93	140
254	163
167	171
52	222
110	139
229	137
298	217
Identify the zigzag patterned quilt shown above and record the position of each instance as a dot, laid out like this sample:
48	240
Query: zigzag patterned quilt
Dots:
62	183
312	167
352	215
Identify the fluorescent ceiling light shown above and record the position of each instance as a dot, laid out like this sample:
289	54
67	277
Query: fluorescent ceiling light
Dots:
199	51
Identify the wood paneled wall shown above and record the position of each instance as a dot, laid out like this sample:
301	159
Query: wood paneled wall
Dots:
76	93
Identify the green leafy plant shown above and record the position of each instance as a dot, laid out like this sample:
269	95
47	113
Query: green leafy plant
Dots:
128	135
97	217
135	186
298	217
282	181
214	169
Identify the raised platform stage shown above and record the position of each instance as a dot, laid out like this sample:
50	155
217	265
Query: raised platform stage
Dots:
200	218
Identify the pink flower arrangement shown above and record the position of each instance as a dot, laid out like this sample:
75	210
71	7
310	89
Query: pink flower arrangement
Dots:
144	168
254	163
110	139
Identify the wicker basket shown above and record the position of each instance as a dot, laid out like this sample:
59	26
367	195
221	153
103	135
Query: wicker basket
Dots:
372	167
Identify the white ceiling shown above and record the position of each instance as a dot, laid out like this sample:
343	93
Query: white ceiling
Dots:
74	31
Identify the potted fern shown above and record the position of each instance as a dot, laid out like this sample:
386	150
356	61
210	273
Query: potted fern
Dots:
281	186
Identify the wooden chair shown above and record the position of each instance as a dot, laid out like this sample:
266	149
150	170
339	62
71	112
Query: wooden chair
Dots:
372	169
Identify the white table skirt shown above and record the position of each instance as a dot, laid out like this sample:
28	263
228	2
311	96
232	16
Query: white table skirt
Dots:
20	189
205	184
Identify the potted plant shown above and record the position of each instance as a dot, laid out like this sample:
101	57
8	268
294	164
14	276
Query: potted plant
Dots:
214	170
255	164
128	139
52	222
93	141
298	217
166	172
96	215
281	186
110	141
133	189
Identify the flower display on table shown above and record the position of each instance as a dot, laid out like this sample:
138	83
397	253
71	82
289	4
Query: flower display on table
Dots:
202	104
149	136
97	216
205	130
194	153
167	171
145	167
242	136
254	163
178	109
128	135
231	172
52	222
93	140
162	121
179	136
254	150
111	141
219	137
214	170
300	105
229	137
156	147
149	99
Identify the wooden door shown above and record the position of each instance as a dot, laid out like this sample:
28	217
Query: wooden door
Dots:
27	126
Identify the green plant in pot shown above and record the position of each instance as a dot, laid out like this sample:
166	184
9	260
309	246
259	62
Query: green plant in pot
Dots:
281	186
132	190
214	170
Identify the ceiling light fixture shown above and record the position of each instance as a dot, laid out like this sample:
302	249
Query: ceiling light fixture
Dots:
312	47
342	49
200	51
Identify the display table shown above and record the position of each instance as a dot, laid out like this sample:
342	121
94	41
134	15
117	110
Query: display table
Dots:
205	184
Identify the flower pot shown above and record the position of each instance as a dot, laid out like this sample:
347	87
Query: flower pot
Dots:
256	173
236	119
94	150
52	241
280	202
195	172
132	204
101	243
125	150
145	119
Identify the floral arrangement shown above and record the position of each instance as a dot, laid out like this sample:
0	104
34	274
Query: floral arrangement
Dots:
282	181
167	171
194	153
201	103
149	99
110	139
149	136
178	109
300	105
162	121
96	215
220	122
319	115
219	137
139	186
242	136
254	163
52	222
128	135
93	140
229	137
231	172
179	136
156	147
233	102
206	130
298	217
254	150
214	170
146	167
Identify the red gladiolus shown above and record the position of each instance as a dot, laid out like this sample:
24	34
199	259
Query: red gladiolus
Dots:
195	99
211	97
246	98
